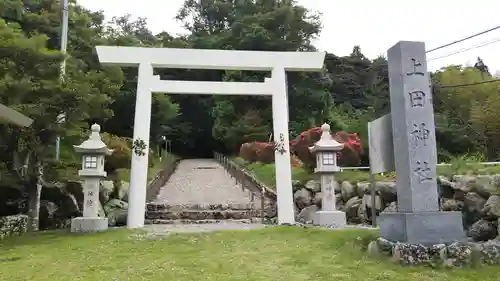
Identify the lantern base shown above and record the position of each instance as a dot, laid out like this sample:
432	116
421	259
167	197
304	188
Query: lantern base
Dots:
89	224
331	219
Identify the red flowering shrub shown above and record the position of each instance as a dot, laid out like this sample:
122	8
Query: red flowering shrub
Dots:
257	151
247	152
349	156
263	152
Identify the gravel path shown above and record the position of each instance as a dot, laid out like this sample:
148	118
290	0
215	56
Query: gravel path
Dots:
193	228
201	181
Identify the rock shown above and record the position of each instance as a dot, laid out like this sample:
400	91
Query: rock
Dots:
466	183
13	225
459	195
117	217
120	190
482	230
387	190
302	198
318	199
347	190
362	188
307	214
270	208
438	252
492	207
373	249
296	185
446	187
66	201
451	205
362	214
351	207
384	244
490	253
391	208
114	204
313	186
336	187
48	215
484	186
410	254
367	200
474	202
459	253
76	189
473	205
105	191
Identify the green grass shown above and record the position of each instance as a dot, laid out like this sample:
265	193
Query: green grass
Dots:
459	165
154	168
279	253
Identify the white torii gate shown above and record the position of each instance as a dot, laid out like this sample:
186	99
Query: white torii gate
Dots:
148	58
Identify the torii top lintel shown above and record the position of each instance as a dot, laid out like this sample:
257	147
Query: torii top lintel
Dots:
210	59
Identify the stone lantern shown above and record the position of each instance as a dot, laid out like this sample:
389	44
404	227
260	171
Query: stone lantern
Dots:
326	150
93	152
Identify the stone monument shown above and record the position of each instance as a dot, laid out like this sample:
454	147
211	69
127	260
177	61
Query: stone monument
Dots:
326	164
93	150
418	220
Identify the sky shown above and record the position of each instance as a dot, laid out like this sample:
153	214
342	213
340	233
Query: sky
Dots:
373	25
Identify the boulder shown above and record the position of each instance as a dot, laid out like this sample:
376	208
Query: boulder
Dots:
367	201
451	205
115	204
484	186
482	230
351	207
347	190
362	188
302	198
313	186
492	207
318	199
105	190
446	187
387	190
466	183
391	208
307	214
117	217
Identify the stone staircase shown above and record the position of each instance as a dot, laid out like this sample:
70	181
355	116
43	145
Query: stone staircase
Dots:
201	191
158	213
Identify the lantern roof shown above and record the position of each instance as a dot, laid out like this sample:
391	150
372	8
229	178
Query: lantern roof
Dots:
326	142
94	145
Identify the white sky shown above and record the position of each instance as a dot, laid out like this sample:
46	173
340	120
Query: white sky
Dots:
374	25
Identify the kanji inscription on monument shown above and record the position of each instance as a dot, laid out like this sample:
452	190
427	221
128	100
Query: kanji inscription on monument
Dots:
415	157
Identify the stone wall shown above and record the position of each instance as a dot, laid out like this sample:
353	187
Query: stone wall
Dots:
477	197
13	225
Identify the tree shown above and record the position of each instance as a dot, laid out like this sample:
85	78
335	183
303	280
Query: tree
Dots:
262	26
466	114
29	82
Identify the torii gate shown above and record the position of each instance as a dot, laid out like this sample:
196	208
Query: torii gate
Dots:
148	58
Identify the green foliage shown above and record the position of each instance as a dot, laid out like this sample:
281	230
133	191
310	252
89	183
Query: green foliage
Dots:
122	152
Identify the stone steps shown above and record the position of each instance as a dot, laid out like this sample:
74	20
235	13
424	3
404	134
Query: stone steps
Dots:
188	214
157	207
206	221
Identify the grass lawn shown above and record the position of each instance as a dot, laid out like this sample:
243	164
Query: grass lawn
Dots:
279	253
154	168
266	172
